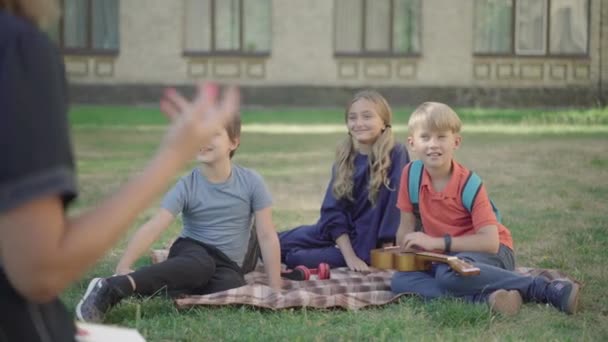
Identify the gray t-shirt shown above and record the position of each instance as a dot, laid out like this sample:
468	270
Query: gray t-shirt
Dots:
219	214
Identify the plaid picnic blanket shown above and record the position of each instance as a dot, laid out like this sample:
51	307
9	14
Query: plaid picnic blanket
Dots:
346	289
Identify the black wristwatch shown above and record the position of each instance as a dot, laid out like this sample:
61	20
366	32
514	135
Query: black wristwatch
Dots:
447	239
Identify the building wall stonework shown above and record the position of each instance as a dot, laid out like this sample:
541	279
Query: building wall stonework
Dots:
302	56
150	48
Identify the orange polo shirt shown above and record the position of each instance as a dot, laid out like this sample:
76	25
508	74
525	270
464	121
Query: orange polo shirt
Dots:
443	212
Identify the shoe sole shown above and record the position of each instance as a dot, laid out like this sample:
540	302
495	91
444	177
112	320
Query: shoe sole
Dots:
90	288
572	306
506	302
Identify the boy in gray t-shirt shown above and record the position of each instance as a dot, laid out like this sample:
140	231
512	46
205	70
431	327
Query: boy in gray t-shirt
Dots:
219	214
218	202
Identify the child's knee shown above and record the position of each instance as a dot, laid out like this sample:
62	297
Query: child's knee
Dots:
198	271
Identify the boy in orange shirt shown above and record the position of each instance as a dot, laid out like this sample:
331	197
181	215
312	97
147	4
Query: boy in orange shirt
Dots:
474	236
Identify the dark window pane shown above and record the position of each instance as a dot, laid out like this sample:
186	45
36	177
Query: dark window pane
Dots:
348	29
530	27
492	26
227	25
377	29
105	24
198	25
569	26
257	25
75	24
406	34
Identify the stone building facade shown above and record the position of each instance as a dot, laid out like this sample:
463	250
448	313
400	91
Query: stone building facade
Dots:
317	52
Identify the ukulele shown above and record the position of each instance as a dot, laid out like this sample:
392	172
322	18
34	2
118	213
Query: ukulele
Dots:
391	258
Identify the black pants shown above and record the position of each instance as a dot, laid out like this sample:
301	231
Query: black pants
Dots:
22	320
191	268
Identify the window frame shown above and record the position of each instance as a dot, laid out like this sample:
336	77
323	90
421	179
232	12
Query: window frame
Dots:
378	54
89	49
227	53
548	53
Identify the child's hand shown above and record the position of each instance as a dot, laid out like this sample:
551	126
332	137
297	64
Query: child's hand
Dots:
416	241
356	264
195	122
122	270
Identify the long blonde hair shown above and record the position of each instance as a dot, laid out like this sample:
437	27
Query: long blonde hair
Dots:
41	13
379	158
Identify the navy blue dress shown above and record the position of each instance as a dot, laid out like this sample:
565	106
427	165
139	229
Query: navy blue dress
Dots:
367	226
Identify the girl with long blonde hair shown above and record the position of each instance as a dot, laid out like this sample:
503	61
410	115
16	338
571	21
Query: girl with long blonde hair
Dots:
358	213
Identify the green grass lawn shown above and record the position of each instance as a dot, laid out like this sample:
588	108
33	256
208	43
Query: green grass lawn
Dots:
551	188
144	116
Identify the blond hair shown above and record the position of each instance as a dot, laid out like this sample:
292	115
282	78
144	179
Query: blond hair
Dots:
434	116
379	159
42	13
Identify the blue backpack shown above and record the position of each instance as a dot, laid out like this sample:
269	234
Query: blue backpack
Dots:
468	195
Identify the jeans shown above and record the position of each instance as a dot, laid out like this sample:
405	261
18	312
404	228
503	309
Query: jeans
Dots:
496	273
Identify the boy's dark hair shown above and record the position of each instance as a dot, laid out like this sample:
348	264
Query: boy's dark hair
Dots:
233	128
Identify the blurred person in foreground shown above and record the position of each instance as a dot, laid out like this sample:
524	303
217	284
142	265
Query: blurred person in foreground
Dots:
42	250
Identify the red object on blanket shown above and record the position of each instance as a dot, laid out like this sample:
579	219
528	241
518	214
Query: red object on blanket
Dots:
304	273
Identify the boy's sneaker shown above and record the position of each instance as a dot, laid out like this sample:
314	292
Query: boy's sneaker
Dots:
505	302
97	300
563	294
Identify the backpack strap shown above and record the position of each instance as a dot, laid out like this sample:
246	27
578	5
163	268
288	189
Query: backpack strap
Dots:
470	191
414	181
413	186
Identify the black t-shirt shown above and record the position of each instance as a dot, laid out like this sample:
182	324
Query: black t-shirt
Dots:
35	160
35	150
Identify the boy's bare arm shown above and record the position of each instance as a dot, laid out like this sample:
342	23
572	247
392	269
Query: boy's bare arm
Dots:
269	246
143	238
407	225
486	240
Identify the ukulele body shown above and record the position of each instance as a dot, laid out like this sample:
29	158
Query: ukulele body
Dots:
391	258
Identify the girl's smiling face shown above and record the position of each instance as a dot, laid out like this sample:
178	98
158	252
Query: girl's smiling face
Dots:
363	122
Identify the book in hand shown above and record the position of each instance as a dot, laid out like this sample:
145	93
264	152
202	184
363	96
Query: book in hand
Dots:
87	332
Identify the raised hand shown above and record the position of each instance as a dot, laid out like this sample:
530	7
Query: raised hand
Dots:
194	122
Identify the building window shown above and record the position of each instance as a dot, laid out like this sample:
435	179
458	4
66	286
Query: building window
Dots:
377	27
532	27
88	26
227	27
